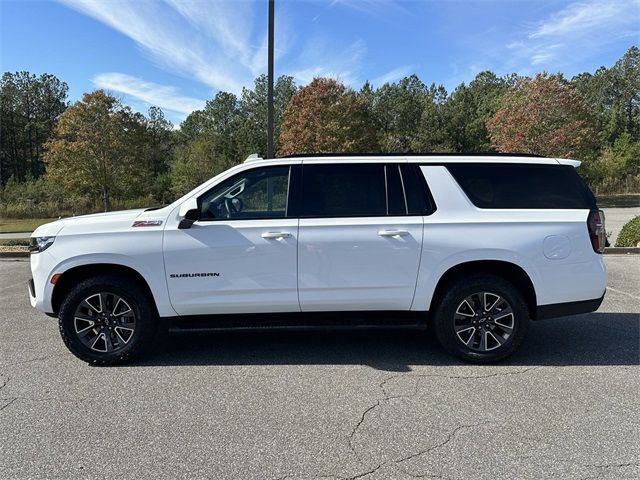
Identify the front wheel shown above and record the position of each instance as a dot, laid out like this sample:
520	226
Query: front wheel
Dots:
481	319
106	320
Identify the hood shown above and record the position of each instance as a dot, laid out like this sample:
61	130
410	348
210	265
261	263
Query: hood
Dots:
94	222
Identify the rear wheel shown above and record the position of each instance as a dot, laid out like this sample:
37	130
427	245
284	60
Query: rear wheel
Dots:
106	320
481	319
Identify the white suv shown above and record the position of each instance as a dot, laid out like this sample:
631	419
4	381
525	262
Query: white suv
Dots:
475	244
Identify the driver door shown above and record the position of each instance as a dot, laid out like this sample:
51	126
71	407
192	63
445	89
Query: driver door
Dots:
241	255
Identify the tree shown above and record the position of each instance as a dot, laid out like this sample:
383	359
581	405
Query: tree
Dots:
325	116
469	107
397	110
616	165
160	142
98	148
208	143
432	135
29	107
613	97
542	115
253	114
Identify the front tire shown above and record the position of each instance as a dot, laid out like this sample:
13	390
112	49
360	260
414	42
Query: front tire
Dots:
107	320
481	319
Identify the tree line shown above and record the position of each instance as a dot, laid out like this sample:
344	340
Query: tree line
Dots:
98	154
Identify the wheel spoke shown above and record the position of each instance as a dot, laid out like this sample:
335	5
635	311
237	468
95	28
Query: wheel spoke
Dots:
121	307
465	305
83	324
491	341
466	334
100	343
505	321
124	333
94	302
490	301
109	341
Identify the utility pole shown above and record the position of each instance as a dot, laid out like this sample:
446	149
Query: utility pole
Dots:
270	111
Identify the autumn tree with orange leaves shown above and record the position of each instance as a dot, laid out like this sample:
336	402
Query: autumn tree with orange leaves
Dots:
543	115
325	116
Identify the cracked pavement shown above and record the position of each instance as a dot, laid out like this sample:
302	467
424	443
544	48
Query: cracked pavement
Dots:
363	404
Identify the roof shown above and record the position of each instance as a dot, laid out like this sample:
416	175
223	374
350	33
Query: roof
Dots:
400	154
423	158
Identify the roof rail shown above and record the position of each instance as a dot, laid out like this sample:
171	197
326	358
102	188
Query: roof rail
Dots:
253	158
425	154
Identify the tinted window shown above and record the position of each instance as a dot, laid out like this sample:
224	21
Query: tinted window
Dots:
253	194
395	196
343	190
419	200
522	186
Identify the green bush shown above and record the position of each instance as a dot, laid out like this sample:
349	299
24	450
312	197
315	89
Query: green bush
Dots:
630	234
43	198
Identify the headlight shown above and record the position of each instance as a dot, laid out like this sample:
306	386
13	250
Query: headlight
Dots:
40	244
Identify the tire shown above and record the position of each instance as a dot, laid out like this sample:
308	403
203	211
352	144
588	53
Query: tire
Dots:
107	320
462	324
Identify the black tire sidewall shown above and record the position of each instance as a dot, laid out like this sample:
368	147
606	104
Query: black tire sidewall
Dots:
132	294
456	293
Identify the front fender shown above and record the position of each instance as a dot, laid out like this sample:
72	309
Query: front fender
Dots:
154	279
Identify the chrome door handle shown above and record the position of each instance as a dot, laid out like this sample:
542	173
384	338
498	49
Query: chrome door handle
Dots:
393	233
275	235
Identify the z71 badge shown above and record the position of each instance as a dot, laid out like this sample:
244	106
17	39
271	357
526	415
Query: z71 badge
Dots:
147	223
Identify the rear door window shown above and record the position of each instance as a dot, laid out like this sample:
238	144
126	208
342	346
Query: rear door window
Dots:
343	190
523	186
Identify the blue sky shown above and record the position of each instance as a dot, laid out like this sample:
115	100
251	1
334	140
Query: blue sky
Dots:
177	53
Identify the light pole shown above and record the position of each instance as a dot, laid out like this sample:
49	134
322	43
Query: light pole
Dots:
270	84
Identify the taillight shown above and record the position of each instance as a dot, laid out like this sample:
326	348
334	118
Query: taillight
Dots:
595	223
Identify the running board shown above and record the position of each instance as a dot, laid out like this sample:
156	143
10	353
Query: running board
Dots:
297	321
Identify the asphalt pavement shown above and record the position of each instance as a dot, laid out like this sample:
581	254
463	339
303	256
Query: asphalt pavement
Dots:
338	405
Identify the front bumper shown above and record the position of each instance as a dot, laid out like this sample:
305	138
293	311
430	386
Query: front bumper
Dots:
569	308
39	287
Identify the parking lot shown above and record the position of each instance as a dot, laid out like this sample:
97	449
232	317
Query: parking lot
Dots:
374	404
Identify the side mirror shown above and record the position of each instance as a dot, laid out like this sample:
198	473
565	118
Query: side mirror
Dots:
188	213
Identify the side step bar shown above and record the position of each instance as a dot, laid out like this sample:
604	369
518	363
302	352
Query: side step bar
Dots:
297	321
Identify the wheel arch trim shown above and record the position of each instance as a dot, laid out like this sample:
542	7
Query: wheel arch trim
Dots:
524	277
111	263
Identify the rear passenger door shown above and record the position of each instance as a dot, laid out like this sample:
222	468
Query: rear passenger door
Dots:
359	245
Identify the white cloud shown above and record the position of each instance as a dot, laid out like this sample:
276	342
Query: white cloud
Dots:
583	17
578	30
212	42
344	66
566	38
373	7
163	96
392	76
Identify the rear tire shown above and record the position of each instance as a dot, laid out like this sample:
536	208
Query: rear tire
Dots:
481	319
107	320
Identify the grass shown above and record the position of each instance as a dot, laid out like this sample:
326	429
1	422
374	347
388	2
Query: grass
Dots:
22	225
14	242
619	201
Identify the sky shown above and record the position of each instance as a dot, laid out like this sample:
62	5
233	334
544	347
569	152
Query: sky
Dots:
177	54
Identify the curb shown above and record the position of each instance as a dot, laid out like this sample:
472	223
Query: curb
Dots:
621	250
14	254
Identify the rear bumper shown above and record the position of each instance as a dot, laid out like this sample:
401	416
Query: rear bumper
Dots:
569	308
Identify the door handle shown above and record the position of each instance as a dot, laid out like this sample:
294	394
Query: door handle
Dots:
275	235
393	233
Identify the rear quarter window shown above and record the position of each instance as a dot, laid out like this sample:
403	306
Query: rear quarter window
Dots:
523	186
